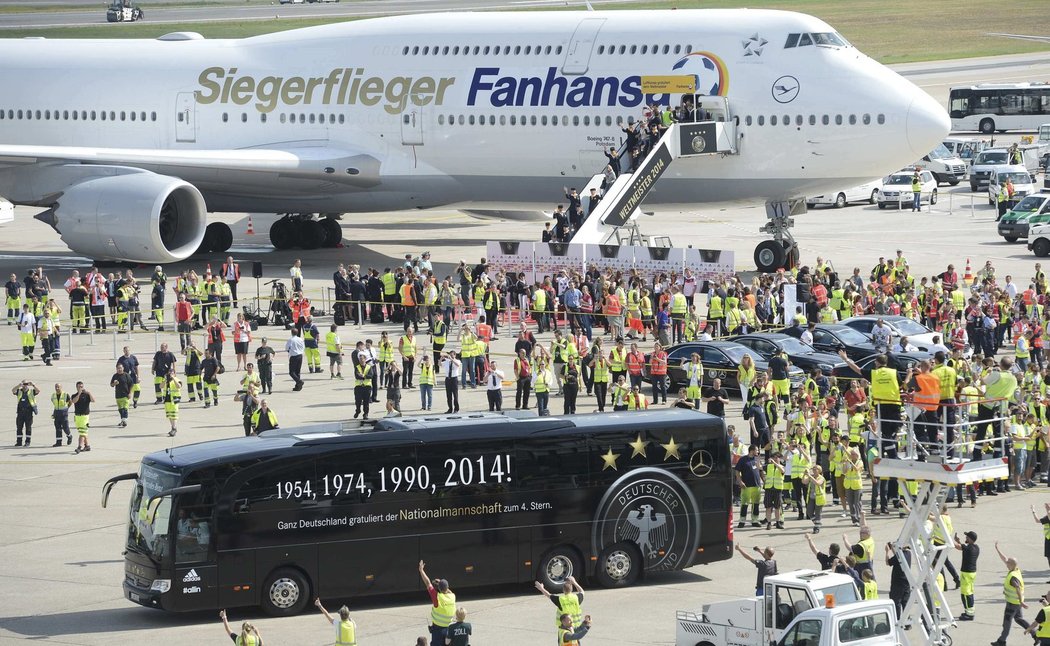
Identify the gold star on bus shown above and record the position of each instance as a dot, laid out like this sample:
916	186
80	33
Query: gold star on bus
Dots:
639	446
671	450
610	460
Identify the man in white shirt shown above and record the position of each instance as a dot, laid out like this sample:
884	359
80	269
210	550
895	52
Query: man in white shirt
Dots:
450	367
903	345
688	286
807	334
938	346
880	336
494	387
296	274
27	328
295	349
371	358
1011	287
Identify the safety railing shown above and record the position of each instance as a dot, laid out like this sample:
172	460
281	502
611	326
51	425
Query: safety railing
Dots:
949	432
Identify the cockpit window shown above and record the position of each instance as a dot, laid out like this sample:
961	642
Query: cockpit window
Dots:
828	39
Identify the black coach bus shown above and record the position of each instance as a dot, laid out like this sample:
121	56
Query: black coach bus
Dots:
348	509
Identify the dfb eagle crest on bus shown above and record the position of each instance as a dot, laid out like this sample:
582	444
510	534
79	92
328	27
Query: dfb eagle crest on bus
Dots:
647	528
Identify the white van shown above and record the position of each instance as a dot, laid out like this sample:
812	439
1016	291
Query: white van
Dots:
945	165
965	148
1024	183
867	192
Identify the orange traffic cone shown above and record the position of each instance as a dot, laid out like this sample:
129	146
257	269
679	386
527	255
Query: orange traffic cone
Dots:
251	229
968	277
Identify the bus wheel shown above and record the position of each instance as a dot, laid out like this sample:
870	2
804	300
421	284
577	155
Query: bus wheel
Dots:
285	593
558	565
987	126
619	566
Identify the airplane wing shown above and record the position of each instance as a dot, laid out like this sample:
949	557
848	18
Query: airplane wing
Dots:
1041	39
336	164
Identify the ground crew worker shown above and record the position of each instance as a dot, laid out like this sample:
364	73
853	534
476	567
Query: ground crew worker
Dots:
13	289
694	376
1045	522
192	369
406	346
426	383
939	538
866	545
159	282
443	602
333	347
60	414
121	384
569	637
438	337
26	393
916	192
1013	594
871	588
249	404
264	419
248	636
568	602
210	377
78	308
774	484
163	362
172	397
1040	628
385	356
967	572
816	497
345	628
81	402
131	367
264	357
310	338
362	385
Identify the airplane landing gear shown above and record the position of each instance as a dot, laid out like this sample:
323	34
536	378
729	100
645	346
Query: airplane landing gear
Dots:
303	231
782	251
218	238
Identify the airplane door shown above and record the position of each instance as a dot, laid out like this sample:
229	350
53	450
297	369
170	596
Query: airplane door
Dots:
412	127
185	117
578	54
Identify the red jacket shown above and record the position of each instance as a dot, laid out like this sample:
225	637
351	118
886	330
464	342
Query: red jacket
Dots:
183	311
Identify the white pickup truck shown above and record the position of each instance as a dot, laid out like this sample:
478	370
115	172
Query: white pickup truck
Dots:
760	621
868	623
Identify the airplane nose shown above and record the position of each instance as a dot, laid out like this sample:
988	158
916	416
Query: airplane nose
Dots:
927	124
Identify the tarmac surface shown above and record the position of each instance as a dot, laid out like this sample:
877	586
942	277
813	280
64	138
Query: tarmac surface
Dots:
61	553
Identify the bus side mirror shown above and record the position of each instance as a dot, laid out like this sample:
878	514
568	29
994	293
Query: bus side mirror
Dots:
108	487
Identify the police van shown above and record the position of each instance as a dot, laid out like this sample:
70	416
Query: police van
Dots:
1022	180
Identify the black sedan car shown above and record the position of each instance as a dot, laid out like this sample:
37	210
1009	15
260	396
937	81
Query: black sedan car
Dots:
832	337
900	361
768	344
721	360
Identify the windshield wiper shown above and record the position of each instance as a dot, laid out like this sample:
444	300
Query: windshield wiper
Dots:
134	547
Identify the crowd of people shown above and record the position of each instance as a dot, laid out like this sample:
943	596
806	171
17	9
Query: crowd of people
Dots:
605	334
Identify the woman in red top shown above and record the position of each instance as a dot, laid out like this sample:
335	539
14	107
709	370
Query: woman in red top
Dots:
658	372
855	396
635	363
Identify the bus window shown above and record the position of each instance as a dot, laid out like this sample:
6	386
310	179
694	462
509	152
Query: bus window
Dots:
145	537
287	488
193	528
543	464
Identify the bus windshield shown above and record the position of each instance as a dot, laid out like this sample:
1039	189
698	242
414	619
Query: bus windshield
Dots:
145	537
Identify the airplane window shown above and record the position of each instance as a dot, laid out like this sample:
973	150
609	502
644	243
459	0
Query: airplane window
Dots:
586	120
47	115
122	115
852	119
881	119
825	120
747	120
655	49
773	120
575	119
441	119
517	49
225	117
533	120
547	50
244	117
798	119
426	50
543	120
404	52
812	119
487	49
476	50
455	50
152	116
502	119
838	119
133	116
112	115
623	48
282	119
528	49
805	40
415	50
101	115
608	121
74	115
471	119
461	119
11	114
688	48
262	117
513	120
601	49
38	115
619	120
92	115
634	49
2	114
791	41
761	120
866	119
787	120
302	118
677	49
558	51
444	50
645	48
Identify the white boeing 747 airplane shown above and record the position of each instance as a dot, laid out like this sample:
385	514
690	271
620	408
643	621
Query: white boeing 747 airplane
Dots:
130	144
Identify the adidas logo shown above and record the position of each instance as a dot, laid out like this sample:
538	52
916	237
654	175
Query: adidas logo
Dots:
191	576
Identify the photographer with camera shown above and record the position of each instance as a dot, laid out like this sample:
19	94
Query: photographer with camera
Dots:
26	392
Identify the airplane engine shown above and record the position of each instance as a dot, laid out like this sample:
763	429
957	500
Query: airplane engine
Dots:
140	216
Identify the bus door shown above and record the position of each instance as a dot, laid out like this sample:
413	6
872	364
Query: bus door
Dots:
195	580
377	491
480	545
